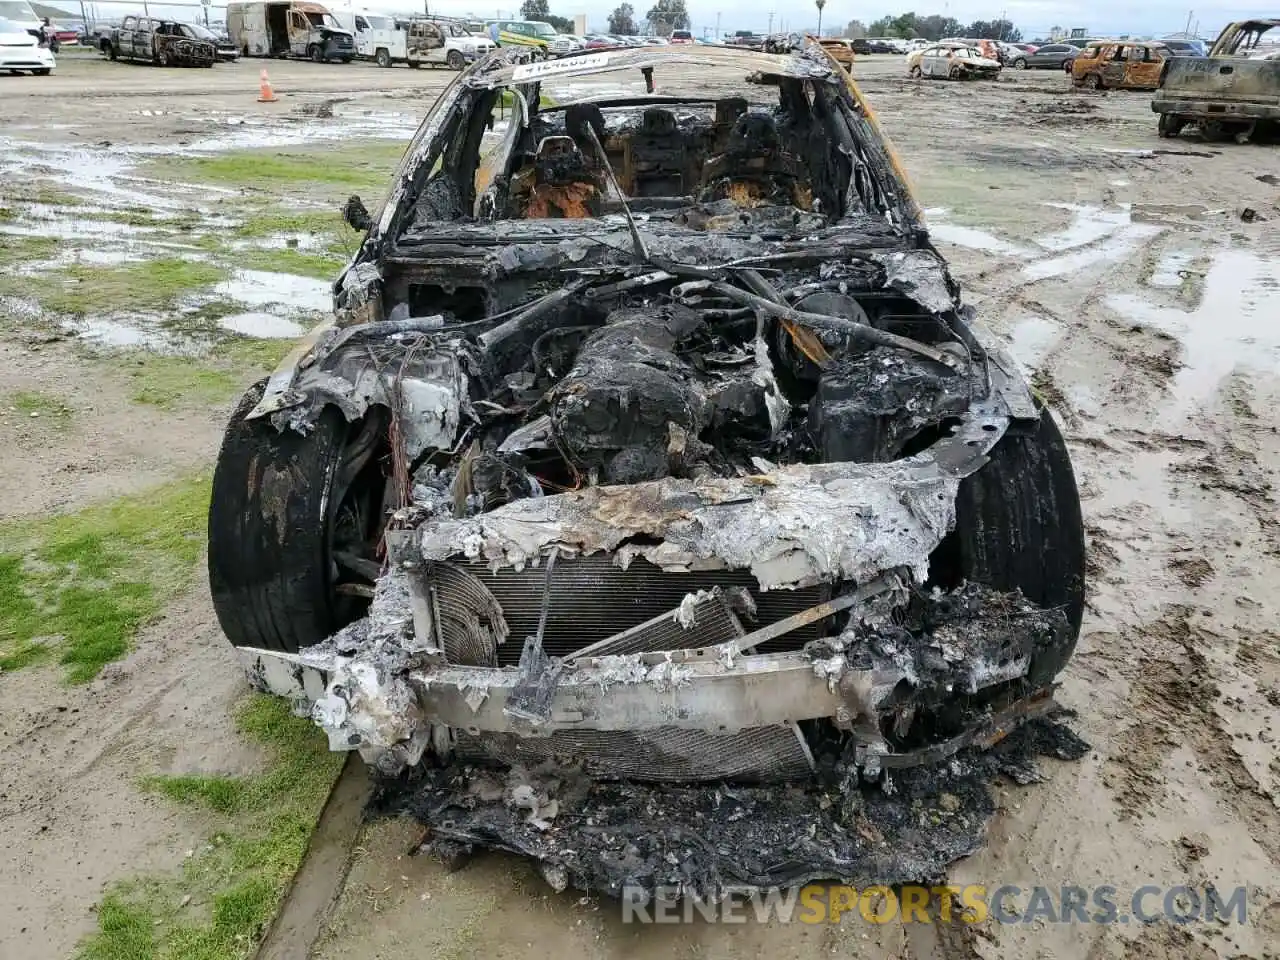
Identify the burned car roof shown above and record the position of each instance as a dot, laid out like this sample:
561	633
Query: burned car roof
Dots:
588	63
653	442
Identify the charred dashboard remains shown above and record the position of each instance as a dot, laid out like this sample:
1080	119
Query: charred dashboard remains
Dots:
660	440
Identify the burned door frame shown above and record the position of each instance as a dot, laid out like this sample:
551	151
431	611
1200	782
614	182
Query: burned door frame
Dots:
1113	65
928	64
418	41
144	40
297	25
1144	72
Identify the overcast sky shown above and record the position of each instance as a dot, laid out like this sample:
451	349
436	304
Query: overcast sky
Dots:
1034	17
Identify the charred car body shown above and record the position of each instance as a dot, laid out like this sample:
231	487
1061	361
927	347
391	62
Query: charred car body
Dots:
651	437
163	42
1229	92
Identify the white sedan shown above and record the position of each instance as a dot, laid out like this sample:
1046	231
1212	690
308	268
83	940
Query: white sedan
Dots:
20	51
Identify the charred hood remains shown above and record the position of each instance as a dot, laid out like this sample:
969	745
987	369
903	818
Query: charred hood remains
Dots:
651	445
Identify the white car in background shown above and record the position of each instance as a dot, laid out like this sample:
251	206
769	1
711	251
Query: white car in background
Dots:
562	44
19	51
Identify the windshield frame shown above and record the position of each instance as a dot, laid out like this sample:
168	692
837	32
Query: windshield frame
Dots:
21	12
515	69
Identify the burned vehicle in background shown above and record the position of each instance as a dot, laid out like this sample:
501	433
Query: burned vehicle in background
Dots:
164	42
1230	92
652	441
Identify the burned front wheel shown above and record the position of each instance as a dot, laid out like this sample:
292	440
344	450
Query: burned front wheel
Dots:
1170	126
455	60
1019	527
294	525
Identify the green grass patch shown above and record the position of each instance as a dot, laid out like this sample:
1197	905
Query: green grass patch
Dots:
18	250
81	289
254	354
40	406
232	888
43	192
321	266
77	587
173	382
332	171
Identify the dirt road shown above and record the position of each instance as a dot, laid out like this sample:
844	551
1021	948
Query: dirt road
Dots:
1135	290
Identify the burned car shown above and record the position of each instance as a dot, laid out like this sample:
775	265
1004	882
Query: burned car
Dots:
652	445
163	42
1230	92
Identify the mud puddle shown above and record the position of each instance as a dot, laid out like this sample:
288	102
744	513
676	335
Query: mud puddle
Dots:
260	288
1232	326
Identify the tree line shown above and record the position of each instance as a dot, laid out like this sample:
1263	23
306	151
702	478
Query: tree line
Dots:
909	26
663	17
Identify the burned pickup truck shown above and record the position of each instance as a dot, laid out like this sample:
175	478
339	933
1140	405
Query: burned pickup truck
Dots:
651	446
163	42
1231	92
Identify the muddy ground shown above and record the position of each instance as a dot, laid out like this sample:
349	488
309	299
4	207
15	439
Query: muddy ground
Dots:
1136	291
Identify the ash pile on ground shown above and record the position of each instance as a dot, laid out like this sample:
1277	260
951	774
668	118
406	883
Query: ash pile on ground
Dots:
712	840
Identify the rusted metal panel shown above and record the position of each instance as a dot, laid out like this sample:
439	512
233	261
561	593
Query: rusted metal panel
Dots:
1120	66
1236	82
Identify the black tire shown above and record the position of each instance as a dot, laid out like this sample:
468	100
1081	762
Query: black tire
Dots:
44	72
382	58
1213	131
272	567
455	60
1020	63
413	64
1019	526
1068	66
112	53
315	53
1169	126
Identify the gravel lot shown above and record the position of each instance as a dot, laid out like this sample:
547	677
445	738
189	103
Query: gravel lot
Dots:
1138	280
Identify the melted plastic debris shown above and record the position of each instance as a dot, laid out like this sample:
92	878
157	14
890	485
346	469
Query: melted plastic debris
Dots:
711	842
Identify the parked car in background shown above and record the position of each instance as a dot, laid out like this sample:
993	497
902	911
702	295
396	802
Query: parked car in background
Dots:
1186	48
1228	93
562	44
521	33
841	50
952	62
1120	65
600	42
681	36
223	45
162	42
68	32
19	51
1052	56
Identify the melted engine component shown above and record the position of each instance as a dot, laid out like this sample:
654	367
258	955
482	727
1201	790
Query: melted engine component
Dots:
869	405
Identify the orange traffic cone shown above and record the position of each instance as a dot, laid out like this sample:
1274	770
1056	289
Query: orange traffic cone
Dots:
267	95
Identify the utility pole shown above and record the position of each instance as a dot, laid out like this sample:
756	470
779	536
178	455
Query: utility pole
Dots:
770	22
819	4
1187	30
718	34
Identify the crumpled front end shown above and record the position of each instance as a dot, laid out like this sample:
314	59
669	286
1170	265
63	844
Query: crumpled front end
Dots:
679	629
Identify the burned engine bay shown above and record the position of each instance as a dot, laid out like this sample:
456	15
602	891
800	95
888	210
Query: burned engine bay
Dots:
677	401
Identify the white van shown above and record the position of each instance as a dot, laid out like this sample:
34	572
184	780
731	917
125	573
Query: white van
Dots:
376	34
415	41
